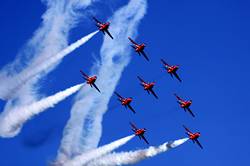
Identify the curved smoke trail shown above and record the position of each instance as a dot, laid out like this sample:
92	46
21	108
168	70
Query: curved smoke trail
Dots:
132	157
12	121
40	55
37	58
83	130
18	81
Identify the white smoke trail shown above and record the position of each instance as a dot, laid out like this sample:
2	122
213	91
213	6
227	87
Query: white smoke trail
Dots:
47	41
50	38
12	121
83	130
133	157
96	153
14	83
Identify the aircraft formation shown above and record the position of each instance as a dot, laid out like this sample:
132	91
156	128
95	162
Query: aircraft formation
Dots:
147	86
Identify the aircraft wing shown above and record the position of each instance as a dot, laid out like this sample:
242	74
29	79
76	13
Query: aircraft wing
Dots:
176	76
144	139
164	62
96	20
145	56
178	97
134	47
180	103
141	79
109	34
96	87
153	93
189	110
198	143
85	75
131	108
133	126
132	41
186	129
118	95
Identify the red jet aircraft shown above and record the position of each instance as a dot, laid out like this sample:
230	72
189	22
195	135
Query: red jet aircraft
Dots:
184	104
172	70
125	101
139	132
103	27
193	136
139	48
148	86
90	80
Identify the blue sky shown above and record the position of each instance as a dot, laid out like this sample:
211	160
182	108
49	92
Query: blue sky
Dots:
210	40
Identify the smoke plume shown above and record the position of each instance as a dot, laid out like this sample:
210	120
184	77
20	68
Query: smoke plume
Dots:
96	153
133	157
11	121
84	128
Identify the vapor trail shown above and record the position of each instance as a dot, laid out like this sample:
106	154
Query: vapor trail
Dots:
96	153
14	83
19	85
11	121
133	157
84	128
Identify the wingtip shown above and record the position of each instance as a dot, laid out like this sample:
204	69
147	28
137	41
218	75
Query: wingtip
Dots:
82	73
164	62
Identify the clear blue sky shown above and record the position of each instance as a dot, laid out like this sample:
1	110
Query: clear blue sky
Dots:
209	39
